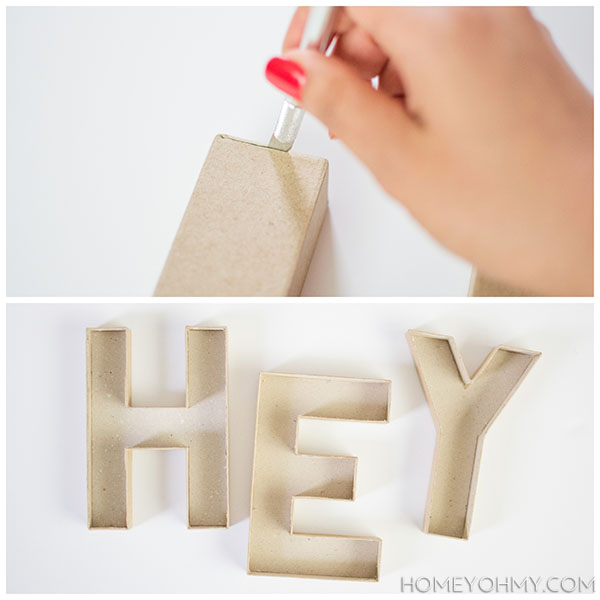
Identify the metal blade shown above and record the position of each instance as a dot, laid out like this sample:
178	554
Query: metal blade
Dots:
287	126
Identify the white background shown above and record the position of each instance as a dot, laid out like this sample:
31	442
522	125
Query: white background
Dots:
110	114
533	514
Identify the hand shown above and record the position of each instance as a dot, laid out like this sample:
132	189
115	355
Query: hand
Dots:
478	127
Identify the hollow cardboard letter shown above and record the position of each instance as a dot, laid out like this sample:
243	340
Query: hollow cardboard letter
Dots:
251	225
463	409
281	474
115	428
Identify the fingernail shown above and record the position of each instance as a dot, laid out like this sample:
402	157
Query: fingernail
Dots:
332	136
286	75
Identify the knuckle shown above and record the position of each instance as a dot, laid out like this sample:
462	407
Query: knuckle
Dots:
464	22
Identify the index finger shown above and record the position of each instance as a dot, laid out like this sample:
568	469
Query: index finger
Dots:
295	29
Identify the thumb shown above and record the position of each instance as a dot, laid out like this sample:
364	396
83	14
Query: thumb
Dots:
372	124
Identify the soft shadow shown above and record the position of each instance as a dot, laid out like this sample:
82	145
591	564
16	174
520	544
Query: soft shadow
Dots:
322	278
154	347
242	419
243	394
207	371
149	483
310	365
406	388
73	450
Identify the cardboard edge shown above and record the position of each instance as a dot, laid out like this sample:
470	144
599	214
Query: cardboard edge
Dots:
88	424
482	286
225	331
472	279
306	251
274	574
467	380
315	222
261	377
341	377
313	231
355	459
226	136
157	292
466	377
128	451
535	356
89	392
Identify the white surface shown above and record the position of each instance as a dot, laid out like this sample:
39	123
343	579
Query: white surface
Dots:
110	114
533	513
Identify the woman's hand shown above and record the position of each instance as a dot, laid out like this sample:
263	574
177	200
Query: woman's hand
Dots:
478	127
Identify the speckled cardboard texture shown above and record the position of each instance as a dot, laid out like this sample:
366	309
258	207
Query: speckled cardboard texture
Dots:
482	285
282	473
251	225
115	428
463	409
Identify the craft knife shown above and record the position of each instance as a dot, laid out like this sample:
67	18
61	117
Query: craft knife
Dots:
317	35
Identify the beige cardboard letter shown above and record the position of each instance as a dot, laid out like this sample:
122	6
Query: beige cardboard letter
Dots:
251	225
482	285
463	409
115	428
281	473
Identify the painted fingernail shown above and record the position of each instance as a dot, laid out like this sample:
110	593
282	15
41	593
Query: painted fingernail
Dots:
286	75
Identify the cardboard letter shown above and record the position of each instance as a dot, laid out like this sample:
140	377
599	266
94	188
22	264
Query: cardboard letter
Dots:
251	225
463	409
281	473
482	285
115	428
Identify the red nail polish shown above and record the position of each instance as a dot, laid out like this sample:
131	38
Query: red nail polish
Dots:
286	75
